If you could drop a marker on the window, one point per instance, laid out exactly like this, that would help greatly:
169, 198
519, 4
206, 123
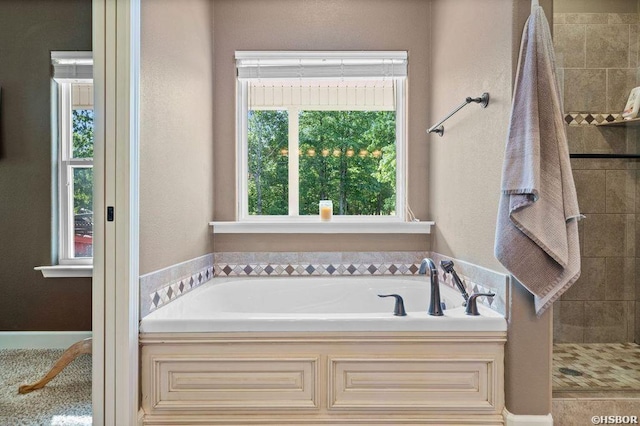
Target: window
74, 142
321, 125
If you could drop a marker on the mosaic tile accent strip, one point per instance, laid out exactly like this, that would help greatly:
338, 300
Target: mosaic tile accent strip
317, 264
596, 367
159, 287
179, 287
230, 270
590, 119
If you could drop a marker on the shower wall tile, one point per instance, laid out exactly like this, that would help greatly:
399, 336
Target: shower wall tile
637, 191
584, 90
568, 322
622, 18
621, 191
569, 45
575, 139
619, 85
632, 146
586, 18
607, 46
605, 235
637, 220
620, 279
631, 323
608, 189
637, 323
634, 44
605, 140
631, 236
560, 80
591, 190
591, 284
601, 164
581, 237
605, 322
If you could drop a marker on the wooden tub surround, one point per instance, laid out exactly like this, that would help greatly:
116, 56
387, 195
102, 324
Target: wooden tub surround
323, 378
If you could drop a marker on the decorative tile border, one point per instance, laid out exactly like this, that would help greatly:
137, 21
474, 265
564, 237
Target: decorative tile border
590, 119
230, 270
165, 285
176, 289
315, 264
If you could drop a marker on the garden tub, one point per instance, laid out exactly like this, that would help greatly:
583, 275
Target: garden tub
315, 304
320, 351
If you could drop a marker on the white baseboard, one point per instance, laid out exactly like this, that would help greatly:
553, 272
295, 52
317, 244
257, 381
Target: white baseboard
526, 420
40, 339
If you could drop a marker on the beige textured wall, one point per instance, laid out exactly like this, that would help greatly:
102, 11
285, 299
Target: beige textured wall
471, 54
176, 132
475, 45
319, 25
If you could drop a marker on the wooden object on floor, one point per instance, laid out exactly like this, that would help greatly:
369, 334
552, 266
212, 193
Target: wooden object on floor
78, 348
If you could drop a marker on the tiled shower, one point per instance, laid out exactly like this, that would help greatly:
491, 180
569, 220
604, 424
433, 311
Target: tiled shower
596, 322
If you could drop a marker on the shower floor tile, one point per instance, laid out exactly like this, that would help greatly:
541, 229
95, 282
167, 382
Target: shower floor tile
588, 367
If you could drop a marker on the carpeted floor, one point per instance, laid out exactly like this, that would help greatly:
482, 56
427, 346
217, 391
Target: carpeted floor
65, 401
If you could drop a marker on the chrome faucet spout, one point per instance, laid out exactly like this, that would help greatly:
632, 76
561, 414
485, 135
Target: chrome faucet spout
435, 305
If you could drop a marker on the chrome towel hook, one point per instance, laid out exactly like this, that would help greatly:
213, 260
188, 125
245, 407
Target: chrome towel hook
483, 100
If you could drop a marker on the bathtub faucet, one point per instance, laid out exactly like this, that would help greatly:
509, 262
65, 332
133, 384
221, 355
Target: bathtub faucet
447, 265
435, 307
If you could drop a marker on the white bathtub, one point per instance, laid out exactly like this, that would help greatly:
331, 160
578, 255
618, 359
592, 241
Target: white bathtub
259, 304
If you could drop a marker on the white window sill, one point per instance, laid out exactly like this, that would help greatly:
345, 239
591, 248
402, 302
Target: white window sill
65, 271
333, 227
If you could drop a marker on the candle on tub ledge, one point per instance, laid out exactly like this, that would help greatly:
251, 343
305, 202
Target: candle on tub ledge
326, 210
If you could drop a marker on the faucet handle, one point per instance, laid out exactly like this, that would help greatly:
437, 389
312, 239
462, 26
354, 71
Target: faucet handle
472, 304
398, 310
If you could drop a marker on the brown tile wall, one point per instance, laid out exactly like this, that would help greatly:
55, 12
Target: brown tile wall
597, 61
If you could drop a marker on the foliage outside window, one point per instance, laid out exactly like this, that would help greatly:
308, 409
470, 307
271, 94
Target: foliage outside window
76, 142
348, 157
306, 139
82, 183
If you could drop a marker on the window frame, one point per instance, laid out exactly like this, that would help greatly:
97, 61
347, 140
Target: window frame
66, 163
242, 155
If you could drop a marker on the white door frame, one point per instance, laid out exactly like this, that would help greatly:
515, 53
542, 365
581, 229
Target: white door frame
116, 41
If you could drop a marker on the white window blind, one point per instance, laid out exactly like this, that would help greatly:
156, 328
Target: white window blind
313, 65
72, 67
82, 96
319, 95
356, 81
